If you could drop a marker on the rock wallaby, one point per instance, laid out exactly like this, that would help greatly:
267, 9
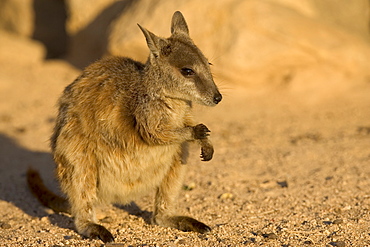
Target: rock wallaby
123, 128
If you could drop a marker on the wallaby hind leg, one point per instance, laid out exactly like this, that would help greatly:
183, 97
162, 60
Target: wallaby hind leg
164, 211
86, 224
82, 195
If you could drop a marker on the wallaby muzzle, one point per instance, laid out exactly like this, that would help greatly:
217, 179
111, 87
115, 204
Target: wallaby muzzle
217, 98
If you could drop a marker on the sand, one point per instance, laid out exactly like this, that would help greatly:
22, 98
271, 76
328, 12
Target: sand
291, 164
287, 170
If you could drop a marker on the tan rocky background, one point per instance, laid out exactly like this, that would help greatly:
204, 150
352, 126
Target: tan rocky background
292, 135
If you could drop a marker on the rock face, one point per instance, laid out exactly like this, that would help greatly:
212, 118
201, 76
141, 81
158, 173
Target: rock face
88, 26
353, 16
17, 16
305, 46
78, 19
273, 44
20, 50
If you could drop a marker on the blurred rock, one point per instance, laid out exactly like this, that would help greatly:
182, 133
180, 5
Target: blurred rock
20, 50
311, 47
42, 20
353, 16
83, 12
88, 27
259, 44
226, 195
17, 16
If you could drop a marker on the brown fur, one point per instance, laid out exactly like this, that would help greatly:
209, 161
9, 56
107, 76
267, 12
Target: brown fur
123, 127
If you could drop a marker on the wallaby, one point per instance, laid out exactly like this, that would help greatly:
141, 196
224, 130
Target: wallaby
123, 129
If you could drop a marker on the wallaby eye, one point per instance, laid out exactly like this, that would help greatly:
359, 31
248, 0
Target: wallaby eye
187, 72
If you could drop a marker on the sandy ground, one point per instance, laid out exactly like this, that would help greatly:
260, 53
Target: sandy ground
287, 171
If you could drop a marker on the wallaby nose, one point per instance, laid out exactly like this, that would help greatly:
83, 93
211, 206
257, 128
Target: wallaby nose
217, 98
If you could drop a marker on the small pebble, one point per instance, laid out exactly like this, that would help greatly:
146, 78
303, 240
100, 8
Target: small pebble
221, 240
180, 241
203, 236
4, 225
338, 221
226, 196
72, 237
49, 211
257, 233
115, 245
249, 241
270, 235
190, 186
44, 219
338, 244
283, 184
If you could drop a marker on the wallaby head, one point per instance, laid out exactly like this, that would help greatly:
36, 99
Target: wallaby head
185, 69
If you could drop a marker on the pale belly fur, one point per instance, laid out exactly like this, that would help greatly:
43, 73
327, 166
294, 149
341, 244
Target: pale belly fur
125, 176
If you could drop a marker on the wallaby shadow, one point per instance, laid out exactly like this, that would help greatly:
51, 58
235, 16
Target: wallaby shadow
135, 210
14, 162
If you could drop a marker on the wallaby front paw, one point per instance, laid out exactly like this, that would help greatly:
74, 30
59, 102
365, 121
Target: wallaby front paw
201, 131
206, 152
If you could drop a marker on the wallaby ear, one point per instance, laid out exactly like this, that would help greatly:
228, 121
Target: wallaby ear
154, 42
178, 24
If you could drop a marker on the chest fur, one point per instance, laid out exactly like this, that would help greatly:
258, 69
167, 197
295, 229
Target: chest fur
126, 175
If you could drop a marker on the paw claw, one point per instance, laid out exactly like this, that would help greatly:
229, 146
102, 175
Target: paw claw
206, 153
201, 131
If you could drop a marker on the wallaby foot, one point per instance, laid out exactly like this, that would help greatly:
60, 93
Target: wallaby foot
96, 231
183, 223
186, 224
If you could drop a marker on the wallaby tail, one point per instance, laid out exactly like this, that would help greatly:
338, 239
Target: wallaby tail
44, 195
